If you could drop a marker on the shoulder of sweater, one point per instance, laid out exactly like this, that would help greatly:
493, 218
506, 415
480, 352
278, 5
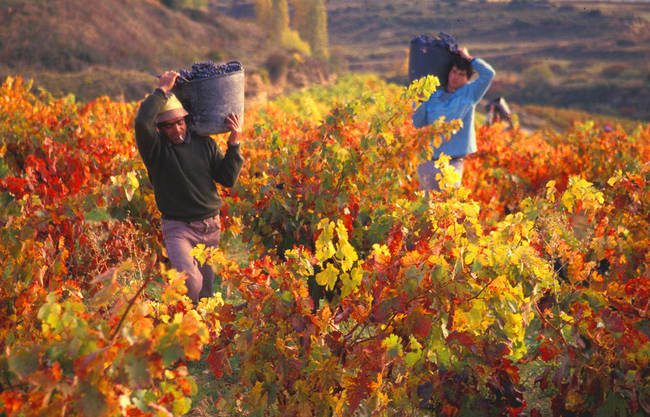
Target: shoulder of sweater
481, 64
158, 95
200, 137
203, 141
477, 61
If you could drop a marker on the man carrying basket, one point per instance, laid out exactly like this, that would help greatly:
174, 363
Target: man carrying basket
183, 168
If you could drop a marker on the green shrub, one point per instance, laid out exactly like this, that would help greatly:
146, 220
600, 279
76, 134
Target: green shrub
186, 4
291, 40
539, 74
277, 66
216, 55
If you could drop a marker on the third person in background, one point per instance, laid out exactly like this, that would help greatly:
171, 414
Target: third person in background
498, 112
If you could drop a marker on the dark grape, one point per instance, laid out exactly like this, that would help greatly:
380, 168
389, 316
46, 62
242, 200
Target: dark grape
443, 39
207, 69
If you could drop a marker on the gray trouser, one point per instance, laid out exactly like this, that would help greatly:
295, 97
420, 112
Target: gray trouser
427, 174
180, 237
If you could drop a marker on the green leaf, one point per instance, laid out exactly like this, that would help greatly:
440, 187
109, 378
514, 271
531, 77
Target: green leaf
137, 370
4, 169
141, 399
23, 362
50, 312
171, 354
182, 406
92, 402
286, 296
411, 358
393, 346
614, 406
97, 215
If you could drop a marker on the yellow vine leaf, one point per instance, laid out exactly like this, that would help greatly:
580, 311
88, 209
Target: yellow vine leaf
550, 191
328, 277
324, 246
346, 255
380, 250
351, 281
471, 253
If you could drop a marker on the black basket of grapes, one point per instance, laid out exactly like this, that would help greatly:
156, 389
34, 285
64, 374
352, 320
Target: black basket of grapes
429, 55
209, 92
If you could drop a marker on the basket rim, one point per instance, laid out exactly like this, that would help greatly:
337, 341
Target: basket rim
209, 78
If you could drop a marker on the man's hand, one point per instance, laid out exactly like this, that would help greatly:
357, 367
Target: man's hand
465, 54
234, 124
167, 80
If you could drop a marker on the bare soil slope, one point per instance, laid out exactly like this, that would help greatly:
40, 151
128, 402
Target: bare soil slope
111, 47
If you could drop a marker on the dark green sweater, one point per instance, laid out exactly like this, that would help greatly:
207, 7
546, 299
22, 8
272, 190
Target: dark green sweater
183, 176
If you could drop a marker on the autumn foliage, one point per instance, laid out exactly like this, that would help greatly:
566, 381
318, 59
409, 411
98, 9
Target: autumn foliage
525, 292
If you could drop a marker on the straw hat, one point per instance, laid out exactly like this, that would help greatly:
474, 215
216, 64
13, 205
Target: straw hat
173, 109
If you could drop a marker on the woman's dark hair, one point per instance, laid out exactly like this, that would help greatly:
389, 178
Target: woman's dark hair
462, 64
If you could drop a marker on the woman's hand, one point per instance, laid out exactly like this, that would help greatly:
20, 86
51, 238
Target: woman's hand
234, 124
465, 54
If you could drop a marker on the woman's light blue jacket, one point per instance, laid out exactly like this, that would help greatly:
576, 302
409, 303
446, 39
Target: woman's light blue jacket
460, 105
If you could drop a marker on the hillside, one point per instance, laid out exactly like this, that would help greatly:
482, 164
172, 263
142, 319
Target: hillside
590, 56
580, 55
96, 47
583, 55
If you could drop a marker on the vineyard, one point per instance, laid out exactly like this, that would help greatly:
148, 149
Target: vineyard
342, 289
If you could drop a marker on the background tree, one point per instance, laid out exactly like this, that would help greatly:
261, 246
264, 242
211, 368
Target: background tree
263, 13
279, 18
273, 16
310, 20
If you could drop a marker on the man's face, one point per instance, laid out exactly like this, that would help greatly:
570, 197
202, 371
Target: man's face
174, 130
457, 78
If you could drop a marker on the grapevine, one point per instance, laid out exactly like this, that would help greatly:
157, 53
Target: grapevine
524, 292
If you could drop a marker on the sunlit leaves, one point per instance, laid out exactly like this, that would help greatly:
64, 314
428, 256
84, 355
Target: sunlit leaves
129, 182
583, 192
328, 277
448, 176
393, 346
324, 245
332, 245
422, 88
539, 263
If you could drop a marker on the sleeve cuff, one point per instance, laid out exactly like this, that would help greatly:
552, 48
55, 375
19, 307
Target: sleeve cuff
161, 92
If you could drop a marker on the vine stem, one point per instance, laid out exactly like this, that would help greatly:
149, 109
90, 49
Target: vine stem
475, 296
561, 337
128, 308
132, 300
